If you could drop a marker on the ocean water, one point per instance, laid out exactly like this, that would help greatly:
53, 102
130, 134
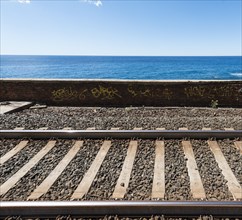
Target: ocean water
122, 67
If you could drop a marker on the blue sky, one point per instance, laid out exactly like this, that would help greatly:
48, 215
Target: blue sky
124, 27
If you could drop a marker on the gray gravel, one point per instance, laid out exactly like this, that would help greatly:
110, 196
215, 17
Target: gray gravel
39, 172
104, 183
176, 174
68, 181
140, 184
233, 157
7, 145
17, 161
213, 181
125, 118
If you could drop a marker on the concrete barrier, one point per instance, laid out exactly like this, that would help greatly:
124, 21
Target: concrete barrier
123, 92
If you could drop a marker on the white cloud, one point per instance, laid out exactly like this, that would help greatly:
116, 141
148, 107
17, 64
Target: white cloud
24, 1
95, 2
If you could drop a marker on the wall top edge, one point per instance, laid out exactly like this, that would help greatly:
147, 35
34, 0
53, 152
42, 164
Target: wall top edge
110, 80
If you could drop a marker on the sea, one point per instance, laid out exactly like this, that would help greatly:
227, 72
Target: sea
123, 67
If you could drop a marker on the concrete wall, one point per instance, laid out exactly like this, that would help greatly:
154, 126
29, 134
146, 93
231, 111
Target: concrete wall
122, 92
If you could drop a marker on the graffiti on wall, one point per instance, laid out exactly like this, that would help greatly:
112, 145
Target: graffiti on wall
64, 94
209, 92
167, 93
105, 92
99, 92
164, 93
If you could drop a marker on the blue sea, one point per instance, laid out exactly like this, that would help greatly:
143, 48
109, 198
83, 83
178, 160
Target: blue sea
122, 67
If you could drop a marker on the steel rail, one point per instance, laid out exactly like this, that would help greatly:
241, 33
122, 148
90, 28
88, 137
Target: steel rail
121, 134
121, 208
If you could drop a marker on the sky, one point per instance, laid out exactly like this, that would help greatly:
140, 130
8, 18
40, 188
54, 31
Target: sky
122, 27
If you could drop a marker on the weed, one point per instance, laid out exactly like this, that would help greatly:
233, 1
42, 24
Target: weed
214, 104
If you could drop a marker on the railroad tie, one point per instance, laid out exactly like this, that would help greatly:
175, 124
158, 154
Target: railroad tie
16, 149
123, 180
89, 176
232, 182
137, 129
237, 144
124, 177
160, 129
43, 128
6, 186
19, 128
52, 177
158, 186
228, 129
183, 129
196, 184
206, 129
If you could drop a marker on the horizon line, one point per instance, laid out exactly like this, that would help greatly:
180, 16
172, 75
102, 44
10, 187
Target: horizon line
121, 55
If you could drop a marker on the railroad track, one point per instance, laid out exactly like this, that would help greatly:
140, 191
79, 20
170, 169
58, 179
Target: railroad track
134, 172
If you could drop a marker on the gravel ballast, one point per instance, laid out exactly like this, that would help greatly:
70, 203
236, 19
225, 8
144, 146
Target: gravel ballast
213, 181
124, 118
233, 157
12, 165
176, 175
68, 181
7, 145
177, 185
39, 172
140, 185
106, 179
